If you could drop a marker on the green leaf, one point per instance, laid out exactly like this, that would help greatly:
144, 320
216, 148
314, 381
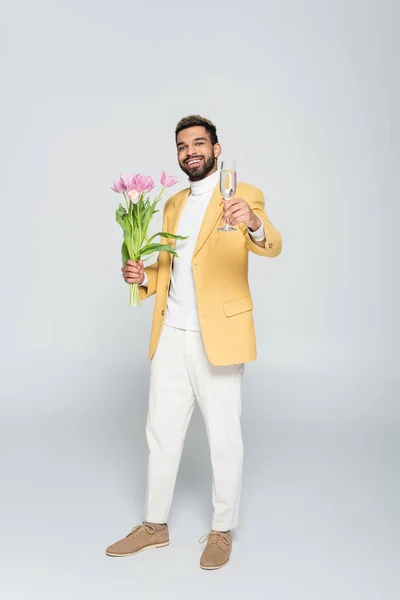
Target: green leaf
146, 217
119, 215
165, 234
169, 249
150, 248
124, 253
128, 244
126, 218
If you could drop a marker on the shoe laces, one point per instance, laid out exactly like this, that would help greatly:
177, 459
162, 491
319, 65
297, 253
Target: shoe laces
223, 540
143, 527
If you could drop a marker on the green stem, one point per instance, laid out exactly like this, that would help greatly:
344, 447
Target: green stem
134, 295
138, 296
139, 220
159, 196
131, 222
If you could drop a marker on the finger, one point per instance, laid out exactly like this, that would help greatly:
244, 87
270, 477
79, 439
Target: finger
230, 202
235, 206
234, 201
131, 271
132, 263
227, 203
238, 217
231, 212
140, 263
136, 279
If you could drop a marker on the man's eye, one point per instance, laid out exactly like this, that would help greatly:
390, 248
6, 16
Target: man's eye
199, 144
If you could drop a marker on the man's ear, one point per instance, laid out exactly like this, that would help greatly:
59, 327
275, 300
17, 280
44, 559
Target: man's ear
217, 150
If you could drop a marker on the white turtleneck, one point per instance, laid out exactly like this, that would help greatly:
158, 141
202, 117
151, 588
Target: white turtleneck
182, 306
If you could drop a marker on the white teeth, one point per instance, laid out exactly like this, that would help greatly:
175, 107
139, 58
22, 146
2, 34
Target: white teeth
193, 162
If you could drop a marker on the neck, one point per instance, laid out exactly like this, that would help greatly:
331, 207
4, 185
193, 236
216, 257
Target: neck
207, 184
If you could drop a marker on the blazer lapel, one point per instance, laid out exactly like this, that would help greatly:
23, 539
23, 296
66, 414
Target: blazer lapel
212, 215
175, 214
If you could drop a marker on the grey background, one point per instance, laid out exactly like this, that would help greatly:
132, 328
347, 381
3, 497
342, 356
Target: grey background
305, 96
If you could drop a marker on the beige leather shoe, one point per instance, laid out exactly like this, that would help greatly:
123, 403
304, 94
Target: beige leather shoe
217, 551
142, 537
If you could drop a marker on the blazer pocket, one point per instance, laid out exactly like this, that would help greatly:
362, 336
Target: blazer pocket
238, 306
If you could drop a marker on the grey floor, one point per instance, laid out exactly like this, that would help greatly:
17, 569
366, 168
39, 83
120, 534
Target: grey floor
319, 512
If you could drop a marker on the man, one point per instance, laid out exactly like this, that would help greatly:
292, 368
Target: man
202, 334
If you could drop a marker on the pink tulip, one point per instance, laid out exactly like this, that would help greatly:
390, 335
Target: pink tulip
145, 183
127, 180
124, 182
134, 192
119, 187
168, 181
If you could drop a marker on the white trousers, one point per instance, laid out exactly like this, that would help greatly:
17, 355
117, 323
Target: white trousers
181, 374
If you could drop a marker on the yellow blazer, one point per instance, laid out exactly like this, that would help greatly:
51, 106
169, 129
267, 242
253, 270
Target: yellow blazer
220, 270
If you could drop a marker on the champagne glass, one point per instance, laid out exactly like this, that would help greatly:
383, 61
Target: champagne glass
227, 185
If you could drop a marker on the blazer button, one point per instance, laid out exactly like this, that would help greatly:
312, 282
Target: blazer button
162, 313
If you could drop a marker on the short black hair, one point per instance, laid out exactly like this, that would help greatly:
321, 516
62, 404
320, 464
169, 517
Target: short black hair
198, 121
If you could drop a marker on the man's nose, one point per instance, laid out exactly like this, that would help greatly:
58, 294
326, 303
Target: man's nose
191, 152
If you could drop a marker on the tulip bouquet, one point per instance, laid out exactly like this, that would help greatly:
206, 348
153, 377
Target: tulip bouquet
135, 218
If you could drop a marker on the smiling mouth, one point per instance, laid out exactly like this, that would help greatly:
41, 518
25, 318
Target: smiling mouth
194, 162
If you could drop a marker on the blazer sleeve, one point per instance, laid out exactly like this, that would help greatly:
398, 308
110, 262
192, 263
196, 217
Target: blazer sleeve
273, 239
152, 273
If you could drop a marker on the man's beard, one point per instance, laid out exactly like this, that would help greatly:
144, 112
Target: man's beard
200, 172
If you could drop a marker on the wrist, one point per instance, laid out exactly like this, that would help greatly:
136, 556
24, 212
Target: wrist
255, 223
